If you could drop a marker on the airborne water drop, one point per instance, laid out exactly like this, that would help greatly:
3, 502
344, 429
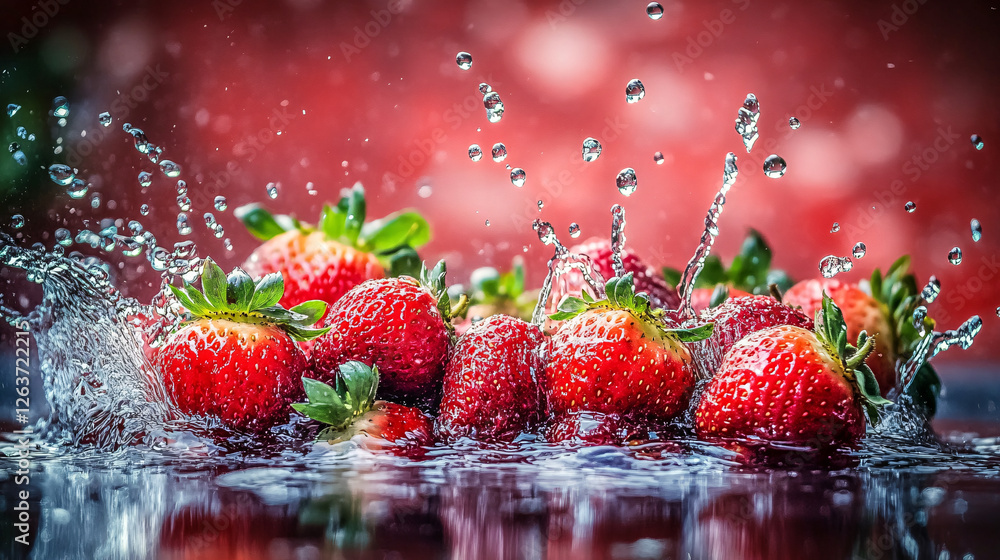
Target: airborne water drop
634, 91
517, 177
626, 181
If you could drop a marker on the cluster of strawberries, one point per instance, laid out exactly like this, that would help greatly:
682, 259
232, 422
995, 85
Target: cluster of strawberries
802, 369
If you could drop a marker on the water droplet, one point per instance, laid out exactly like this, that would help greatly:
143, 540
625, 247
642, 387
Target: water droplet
12, 109
774, 166
210, 222
835, 227
144, 209
127, 127
104, 118
60, 107
910, 206
485, 88
499, 152
17, 221
977, 141
977, 230
272, 190
540, 205
475, 152
746, 121
183, 227
859, 250
955, 255
517, 177
20, 158
78, 189
311, 189
425, 190
931, 290
184, 203
574, 230
64, 237
95, 200
154, 152
22, 132
13, 147
487, 223
464, 60
145, 178
919, 314
794, 123
221, 204
182, 187
169, 168
654, 10
832, 265
658, 158
227, 244
626, 181
494, 106
591, 149
634, 91
61, 174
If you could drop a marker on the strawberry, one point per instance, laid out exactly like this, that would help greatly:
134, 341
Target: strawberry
490, 388
350, 409
749, 273
617, 356
494, 293
646, 278
585, 427
735, 319
401, 325
236, 357
342, 251
786, 384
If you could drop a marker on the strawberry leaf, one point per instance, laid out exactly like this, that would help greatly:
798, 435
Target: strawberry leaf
268, 291
404, 262
693, 334
259, 222
331, 222
302, 334
311, 311
354, 395
240, 288
395, 230
569, 307
361, 383
356, 209
719, 295
189, 304
213, 284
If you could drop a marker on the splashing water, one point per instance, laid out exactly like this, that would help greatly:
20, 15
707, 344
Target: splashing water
685, 288
626, 181
12, 109
494, 106
61, 174
617, 239
832, 265
931, 290
634, 91
17, 221
746, 121
560, 267
937, 342
977, 230
104, 118
60, 107
475, 152
591, 149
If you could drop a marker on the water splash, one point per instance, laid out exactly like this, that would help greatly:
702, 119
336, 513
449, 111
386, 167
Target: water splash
561, 265
746, 121
832, 265
617, 239
937, 342
931, 290
694, 267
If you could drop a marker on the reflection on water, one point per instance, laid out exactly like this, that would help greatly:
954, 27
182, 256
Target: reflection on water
527, 501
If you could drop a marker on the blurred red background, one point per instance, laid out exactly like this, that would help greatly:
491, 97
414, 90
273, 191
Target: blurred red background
244, 93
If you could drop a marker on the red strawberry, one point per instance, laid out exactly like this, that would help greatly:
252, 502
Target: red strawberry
786, 384
236, 359
862, 313
339, 253
706, 298
490, 388
350, 409
617, 356
735, 319
646, 278
401, 325
585, 427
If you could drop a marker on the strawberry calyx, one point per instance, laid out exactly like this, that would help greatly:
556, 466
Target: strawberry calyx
434, 280
749, 271
831, 330
238, 297
392, 239
351, 396
897, 291
620, 294
501, 292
